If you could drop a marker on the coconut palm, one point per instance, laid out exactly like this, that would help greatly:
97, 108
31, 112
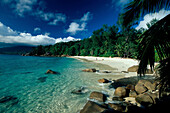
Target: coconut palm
156, 38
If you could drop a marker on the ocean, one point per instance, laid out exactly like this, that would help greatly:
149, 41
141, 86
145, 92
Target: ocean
25, 88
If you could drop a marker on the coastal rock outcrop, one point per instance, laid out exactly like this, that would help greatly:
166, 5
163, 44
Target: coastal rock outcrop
89, 70
98, 96
143, 93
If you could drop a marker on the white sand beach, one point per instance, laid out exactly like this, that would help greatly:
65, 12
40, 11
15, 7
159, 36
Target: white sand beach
121, 64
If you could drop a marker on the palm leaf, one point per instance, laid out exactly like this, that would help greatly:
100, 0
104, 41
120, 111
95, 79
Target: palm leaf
137, 8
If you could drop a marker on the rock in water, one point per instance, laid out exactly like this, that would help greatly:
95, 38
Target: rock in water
89, 70
103, 80
42, 79
92, 107
51, 72
98, 96
80, 90
120, 92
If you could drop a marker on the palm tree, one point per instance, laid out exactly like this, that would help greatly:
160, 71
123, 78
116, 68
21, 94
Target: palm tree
155, 38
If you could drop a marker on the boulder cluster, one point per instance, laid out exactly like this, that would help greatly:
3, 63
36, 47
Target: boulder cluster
129, 98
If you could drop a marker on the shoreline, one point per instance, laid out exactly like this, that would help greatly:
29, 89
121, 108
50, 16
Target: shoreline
117, 65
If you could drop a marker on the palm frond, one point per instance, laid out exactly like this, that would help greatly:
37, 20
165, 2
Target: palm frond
137, 8
157, 37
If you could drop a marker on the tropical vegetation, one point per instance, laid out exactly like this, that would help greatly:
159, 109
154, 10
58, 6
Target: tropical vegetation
106, 41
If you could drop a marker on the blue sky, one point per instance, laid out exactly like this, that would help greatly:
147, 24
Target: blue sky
34, 22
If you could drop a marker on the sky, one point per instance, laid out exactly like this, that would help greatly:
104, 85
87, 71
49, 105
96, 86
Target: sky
46, 22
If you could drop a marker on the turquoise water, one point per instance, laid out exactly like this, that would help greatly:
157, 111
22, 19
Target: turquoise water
19, 79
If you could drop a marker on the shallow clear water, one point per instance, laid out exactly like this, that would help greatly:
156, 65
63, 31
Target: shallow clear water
19, 78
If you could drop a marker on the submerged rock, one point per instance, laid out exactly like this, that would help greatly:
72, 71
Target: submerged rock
5, 99
42, 79
8, 101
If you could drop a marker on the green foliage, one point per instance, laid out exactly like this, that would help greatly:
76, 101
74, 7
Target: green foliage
106, 41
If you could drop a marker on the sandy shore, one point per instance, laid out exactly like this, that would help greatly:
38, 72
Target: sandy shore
117, 64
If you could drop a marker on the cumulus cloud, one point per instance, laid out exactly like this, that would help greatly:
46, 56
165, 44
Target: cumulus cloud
35, 8
148, 17
79, 25
7, 35
75, 27
28, 39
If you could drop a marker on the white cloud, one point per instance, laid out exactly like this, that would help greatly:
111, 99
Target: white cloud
7, 35
37, 30
59, 17
75, 27
68, 39
4, 30
23, 6
28, 39
148, 17
80, 25
86, 17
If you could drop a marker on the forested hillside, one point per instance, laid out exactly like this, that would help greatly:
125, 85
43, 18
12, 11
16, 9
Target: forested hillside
106, 41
